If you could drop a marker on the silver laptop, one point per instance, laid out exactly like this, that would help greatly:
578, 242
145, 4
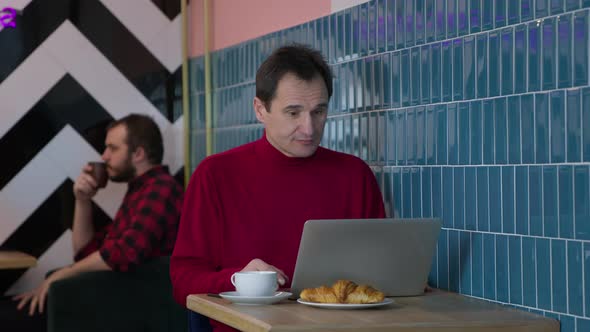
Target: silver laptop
392, 255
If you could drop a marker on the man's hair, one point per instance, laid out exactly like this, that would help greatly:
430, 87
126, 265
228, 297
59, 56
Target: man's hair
306, 63
142, 131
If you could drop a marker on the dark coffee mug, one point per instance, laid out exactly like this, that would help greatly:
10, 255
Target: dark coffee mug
99, 173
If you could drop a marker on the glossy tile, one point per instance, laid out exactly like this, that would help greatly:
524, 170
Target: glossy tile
487, 15
452, 134
515, 269
437, 192
481, 65
441, 134
520, 59
469, 73
447, 71
550, 204
494, 79
574, 279
558, 138
564, 51
430, 148
443, 259
462, 17
513, 114
529, 271
495, 199
397, 191
541, 8
380, 22
475, 119
454, 261
556, 6
420, 135
400, 27
435, 72
499, 13
440, 19
566, 202
582, 202
448, 197
401, 138
410, 32
411, 136
513, 11
459, 198
463, 132
535, 201
558, 275
508, 223
489, 266
580, 55
451, 18
500, 132
416, 185
534, 56
502, 269
415, 87
419, 21
483, 221
405, 78
470, 198
488, 132
585, 124
429, 20
544, 294
507, 51
573, 126
475, 16
526, 10
426, 192
548, 28
425, 74
477, 264
542, 128
406, 210
458, 69
465, 262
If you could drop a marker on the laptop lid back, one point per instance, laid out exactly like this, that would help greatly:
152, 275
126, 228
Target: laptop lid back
392, 255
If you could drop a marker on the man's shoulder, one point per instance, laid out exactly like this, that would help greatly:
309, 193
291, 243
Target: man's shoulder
340, 158
228, 158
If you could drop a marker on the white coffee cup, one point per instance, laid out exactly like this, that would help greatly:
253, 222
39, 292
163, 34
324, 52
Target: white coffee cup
255, 283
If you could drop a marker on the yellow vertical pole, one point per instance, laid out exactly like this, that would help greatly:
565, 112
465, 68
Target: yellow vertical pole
185, 93
208, 104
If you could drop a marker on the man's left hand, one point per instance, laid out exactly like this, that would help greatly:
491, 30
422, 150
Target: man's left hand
37, 296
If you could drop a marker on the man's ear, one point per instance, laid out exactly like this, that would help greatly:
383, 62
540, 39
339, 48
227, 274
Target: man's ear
138, 155
259, 109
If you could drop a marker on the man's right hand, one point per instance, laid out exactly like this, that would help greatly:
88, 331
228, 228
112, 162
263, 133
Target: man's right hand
85, 186
259, 265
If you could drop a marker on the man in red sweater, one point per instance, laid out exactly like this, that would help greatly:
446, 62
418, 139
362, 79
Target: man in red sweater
244, 209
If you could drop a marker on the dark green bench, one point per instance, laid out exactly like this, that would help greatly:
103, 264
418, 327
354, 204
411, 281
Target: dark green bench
139, 300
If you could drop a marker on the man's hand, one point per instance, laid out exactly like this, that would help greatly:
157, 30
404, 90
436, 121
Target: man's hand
38, 296
85, 186
259, 265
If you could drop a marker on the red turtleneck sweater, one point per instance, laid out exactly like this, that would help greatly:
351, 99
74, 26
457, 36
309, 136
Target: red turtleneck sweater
252, 201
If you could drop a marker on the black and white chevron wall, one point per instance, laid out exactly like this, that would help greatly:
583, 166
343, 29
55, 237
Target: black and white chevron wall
67, 68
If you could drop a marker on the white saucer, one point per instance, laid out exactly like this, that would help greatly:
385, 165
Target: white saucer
255, 300
346, 306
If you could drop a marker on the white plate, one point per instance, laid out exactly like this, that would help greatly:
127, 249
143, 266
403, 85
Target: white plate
255, 300
346, 306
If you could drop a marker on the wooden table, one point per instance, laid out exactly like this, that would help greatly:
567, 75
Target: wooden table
16, 260
438, 311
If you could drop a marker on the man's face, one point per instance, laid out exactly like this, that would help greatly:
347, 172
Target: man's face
117, 155
295, 122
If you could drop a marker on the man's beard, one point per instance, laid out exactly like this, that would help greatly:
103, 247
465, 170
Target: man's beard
125, 174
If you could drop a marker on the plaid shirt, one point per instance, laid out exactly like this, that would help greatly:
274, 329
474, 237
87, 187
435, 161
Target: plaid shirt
145, 225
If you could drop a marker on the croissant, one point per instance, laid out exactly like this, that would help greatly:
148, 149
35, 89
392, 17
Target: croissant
343, 291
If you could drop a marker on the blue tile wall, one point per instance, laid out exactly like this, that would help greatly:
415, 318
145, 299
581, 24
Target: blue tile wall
474, 111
